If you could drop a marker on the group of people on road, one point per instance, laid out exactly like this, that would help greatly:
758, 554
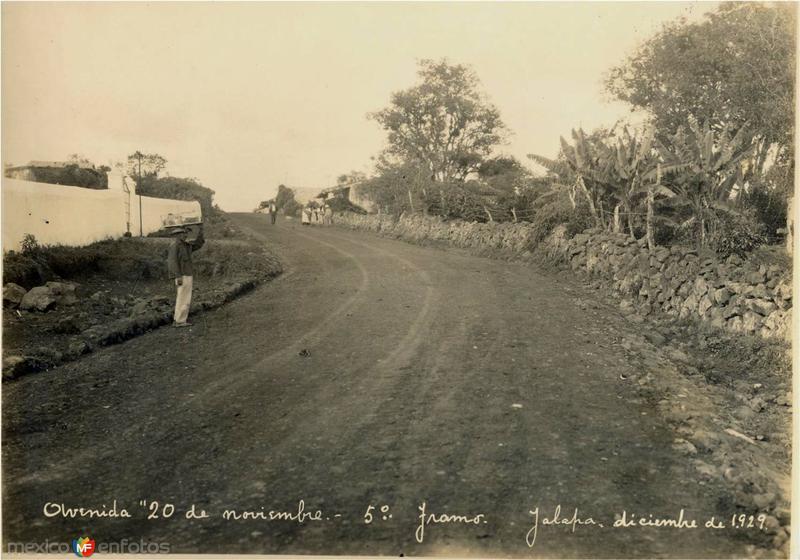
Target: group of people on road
313, 214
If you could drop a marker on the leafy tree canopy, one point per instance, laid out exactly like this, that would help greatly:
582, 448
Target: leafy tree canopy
444, 122
151, 164
351, 178
737, 66
286, 202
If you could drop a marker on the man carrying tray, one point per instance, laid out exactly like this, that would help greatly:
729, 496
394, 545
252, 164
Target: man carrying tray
179, 264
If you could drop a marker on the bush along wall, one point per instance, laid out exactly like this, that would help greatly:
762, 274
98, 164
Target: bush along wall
730, 294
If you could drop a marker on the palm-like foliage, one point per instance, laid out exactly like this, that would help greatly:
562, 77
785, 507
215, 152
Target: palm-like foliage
585, 167
634, 162
613, 173
703, 168
698, 169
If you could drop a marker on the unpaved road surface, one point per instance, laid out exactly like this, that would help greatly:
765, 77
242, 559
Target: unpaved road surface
475, 386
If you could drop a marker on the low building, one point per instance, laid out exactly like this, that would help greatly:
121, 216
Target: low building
353, 193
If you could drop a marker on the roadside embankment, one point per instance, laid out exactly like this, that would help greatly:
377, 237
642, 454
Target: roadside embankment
60, 303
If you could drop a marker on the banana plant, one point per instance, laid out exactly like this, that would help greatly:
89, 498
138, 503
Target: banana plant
633, 160
585, 168
703, 168
639, 169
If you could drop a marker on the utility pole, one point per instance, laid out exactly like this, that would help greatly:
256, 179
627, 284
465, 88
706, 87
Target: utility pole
139, 185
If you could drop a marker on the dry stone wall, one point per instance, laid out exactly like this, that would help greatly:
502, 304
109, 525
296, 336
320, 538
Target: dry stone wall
506, 236
730, 294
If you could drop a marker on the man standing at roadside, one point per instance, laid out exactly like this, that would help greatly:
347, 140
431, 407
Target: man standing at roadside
179, 264
273, 211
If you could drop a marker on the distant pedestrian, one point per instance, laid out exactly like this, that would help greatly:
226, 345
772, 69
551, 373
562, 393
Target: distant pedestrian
305, 216
328, 215
273, 212
179, 264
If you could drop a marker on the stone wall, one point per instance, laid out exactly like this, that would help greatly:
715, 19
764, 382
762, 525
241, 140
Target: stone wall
505, 236
730, 294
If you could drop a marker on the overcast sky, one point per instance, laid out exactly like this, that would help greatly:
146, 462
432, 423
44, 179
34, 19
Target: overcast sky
246, 96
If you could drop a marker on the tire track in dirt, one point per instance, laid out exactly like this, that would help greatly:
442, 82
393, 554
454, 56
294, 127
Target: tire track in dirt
374, 380
302, 415
376, 384
242, 368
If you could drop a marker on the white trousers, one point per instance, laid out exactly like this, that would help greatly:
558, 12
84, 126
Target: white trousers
183, 300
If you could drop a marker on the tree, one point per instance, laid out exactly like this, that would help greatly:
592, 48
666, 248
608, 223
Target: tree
612, 170
79, 161
735, 67
507, 182
351, 178
444, 123
585, 168
397, 187
704, 170
284, 195
636, 174
79, 172
145, 165
286, 202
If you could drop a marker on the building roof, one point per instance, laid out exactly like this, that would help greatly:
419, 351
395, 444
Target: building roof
336, 188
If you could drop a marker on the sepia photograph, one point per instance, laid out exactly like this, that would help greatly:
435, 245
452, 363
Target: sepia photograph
408, 279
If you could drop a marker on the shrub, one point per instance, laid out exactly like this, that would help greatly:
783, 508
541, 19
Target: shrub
25, 270
30, 246
341, 204
179, 189
579, 221
122, 259
462, 201
736, 233
292, 208
556, 209
769, 208
72, 175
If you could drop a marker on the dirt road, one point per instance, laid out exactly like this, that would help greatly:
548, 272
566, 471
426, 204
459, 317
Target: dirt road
371, 373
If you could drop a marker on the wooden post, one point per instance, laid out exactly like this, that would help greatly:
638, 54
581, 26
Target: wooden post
651, 237
790, 225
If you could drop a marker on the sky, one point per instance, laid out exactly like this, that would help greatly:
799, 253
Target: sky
245, 96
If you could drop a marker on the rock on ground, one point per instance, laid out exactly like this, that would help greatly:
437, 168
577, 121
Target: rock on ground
40, 298
13, 294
